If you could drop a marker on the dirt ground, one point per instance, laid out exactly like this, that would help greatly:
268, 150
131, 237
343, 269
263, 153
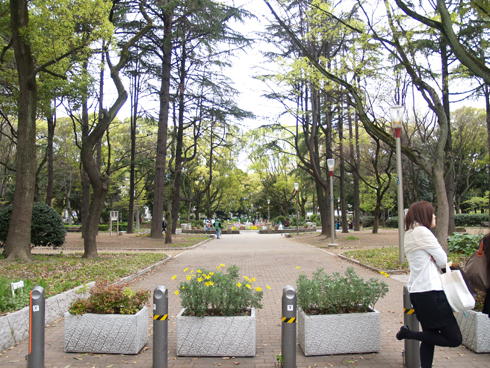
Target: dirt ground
126, 242
131, 242
365, 239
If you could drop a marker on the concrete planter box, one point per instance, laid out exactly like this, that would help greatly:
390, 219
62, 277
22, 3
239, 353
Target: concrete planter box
216, 336
475, 330
106, 333
348, 333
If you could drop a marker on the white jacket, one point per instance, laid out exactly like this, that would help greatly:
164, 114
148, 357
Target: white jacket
424, 273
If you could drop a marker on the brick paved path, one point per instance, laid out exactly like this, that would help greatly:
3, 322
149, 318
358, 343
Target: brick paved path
272, 260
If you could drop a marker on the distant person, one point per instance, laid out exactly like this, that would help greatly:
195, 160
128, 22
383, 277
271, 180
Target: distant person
286, 224
425, 256
217, 226
280, 225
164, 226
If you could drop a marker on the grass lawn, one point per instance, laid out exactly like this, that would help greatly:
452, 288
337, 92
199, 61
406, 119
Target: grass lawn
386, 258
61, 272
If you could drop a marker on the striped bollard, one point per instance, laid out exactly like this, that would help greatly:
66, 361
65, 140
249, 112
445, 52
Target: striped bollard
412, 347
288, 329
160, 327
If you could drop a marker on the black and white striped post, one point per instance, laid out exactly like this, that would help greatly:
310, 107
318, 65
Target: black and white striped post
412, 347
288, 329
37, 311
160, 327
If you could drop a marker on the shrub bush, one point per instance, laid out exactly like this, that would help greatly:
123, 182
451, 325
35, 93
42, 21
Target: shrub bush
316, 219
280, 218
470, 219
111, 299
367, 221
47, 228
103, 227
332, 294
464, 243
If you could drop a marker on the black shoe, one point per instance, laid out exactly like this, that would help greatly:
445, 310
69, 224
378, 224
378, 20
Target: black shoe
403, 331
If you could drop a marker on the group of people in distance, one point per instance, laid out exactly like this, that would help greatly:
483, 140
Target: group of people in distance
426, 257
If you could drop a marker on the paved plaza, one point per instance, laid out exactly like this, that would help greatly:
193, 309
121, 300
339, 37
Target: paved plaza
275, 261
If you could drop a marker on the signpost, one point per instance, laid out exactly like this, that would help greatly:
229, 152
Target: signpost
114, 217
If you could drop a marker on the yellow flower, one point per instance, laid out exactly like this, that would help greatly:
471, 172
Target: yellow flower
248, 285
211, 273
219, 268
211, 283
208, 277
183, 287
192, 271
189, 277
297, 268
246, 278
199, 279
206, 283
258, 289
174, 277
253, 279
185, 269
238, 284
204, 275
222, 265
198, 271
268, 287
177, 292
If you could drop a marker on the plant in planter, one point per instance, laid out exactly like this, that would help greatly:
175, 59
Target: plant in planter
475, 327
336, 313
114, 320
218, 318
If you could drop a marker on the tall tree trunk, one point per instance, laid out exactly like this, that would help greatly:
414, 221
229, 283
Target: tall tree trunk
449, 167
345, 225
84, 175
134, 118
324, 210
487, 108
357, 161
18, 242
160, 162
49, 189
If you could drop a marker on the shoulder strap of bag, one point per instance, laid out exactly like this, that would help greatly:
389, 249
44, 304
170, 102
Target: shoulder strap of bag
480, 253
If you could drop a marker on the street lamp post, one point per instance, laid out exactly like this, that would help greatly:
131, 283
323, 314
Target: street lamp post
296, 187
396, 119
268, 210
331, 165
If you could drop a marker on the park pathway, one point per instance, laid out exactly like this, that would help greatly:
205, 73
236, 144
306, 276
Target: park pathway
275, 261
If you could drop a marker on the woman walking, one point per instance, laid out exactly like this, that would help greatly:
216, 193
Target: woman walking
425, 256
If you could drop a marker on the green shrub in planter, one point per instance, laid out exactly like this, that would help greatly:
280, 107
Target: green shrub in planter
47, 228
334, 294
111, 299
464, 243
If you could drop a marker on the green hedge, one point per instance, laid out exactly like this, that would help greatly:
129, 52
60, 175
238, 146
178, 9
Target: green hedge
470, 219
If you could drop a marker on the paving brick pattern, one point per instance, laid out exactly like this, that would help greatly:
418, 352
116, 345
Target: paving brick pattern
272, 260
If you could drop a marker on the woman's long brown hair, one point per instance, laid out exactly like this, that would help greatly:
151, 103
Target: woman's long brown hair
420, 212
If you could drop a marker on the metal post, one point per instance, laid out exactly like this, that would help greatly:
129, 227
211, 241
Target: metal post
160, 327
35, 358
297, 215
401, 251
332, 215
288, 329
412, 347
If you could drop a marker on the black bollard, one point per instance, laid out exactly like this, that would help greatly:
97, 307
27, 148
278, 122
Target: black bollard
37, 311
160, 327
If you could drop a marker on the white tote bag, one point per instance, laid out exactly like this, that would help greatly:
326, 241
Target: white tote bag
457, 293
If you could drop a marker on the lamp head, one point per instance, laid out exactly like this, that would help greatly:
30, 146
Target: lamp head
296, 186
330, 164
268, 201
396, 113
